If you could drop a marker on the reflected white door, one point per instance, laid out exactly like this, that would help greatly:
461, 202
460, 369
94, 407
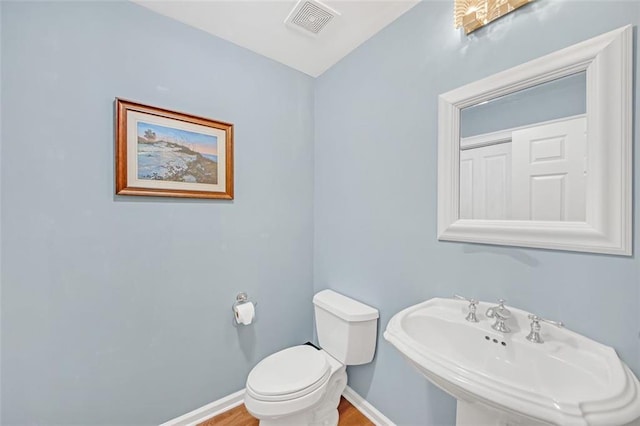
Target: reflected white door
549, 164
485, 182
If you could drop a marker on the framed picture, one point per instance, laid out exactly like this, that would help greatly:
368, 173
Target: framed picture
164, 153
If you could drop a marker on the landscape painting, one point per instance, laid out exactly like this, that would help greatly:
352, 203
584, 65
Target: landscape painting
176, 155
164, 153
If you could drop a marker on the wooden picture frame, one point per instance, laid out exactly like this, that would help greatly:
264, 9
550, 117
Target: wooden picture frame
164, 153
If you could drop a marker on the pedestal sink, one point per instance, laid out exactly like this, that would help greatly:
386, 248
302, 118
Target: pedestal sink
504, 379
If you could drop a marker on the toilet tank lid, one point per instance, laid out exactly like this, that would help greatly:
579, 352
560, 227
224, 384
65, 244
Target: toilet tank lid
344, 307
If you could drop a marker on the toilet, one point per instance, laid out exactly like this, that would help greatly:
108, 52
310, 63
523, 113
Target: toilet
301, 385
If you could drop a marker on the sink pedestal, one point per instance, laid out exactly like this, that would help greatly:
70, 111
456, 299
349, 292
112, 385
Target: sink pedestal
476, 414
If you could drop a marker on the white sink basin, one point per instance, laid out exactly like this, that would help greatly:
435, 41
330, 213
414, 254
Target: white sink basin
567, 380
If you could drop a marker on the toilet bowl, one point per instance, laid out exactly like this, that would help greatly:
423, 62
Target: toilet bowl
301, 385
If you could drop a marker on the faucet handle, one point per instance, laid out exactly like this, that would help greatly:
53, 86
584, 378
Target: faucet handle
537, 319
534, 335
473, 303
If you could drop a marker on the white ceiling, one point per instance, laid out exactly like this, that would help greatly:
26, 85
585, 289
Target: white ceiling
258, 25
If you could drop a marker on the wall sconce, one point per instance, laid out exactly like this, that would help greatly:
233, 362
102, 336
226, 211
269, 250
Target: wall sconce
473, 14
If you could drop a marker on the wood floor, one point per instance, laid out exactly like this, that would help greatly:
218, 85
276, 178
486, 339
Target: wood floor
349, 416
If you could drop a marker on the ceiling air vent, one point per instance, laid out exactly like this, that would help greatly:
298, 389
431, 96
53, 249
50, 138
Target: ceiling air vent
311, 16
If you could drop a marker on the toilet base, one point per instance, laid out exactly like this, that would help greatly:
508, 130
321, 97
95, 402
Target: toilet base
323, 413
302, 419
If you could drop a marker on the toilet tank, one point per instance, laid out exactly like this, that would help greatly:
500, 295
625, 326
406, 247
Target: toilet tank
347, 329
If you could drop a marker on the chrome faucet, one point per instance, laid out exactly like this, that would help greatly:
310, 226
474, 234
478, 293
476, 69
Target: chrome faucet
473, 304
534, 335
501, 314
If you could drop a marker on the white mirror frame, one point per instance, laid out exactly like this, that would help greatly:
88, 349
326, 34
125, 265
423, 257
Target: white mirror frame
607, 60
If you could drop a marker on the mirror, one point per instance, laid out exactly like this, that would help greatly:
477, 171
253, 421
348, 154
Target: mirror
523, 155
540, 155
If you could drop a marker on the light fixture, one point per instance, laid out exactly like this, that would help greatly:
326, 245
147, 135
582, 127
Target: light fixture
473, 14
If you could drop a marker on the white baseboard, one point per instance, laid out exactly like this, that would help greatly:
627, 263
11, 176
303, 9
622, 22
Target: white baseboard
366, 408
228, 402
208, 411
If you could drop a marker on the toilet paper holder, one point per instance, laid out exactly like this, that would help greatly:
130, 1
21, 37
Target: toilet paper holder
242, 298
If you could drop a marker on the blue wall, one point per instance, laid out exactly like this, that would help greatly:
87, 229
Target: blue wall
375, 193
117, 310
556, 99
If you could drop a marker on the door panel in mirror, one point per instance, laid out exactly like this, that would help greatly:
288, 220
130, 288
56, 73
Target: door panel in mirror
511, 179
551, 177
485, 179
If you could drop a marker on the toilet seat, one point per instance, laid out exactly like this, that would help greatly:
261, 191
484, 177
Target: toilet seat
288, 374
